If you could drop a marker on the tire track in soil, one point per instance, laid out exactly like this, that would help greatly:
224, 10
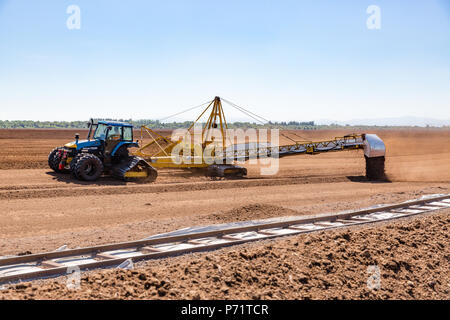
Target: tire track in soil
70, 191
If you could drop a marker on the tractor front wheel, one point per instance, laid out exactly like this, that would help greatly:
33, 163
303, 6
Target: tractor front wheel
54, 159
88, 168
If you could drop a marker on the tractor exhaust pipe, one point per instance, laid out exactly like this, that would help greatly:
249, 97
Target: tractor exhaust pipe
374, 153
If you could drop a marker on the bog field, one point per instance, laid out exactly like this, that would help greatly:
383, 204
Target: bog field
41, 211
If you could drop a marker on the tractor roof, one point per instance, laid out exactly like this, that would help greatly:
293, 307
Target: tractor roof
115, 123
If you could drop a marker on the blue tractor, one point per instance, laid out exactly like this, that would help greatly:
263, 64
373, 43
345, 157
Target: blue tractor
105, 151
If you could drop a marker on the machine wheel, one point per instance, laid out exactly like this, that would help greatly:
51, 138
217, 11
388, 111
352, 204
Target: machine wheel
89, 168
54, 159
212, 172
134, 165
73, 164
121, 154
152, 175
225, 171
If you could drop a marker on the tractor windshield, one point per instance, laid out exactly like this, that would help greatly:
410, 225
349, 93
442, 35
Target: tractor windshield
100, 132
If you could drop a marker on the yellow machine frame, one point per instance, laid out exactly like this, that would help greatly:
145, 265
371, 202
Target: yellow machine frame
163, 158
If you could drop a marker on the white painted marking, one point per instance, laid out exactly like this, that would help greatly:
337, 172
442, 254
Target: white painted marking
207, 241
122, 253
443, 204
130, 254
14, 270
408, 210
173, 247
308, 226
247, 235
422, 207
75, 261
329, 224
365, 217
385, 215
280, 231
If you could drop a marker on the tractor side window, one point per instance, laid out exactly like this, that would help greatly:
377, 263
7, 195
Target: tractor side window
127, 133
100, 132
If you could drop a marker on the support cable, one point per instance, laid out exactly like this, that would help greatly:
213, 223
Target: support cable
184, 111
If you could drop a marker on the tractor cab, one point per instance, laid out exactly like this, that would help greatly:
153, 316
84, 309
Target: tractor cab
111, 136
104, 136
112, 130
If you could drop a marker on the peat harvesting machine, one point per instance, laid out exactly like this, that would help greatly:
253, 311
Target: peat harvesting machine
216, 154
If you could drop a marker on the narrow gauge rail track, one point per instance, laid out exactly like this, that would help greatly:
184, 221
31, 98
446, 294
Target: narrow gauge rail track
34, 266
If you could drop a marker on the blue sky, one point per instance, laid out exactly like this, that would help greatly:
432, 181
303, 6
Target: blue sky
285, 60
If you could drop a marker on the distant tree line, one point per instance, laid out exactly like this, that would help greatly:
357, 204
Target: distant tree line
153, 124
28, 124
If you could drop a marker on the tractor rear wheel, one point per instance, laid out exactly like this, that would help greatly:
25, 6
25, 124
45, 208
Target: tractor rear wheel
54, 159
73, 163
89, 168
